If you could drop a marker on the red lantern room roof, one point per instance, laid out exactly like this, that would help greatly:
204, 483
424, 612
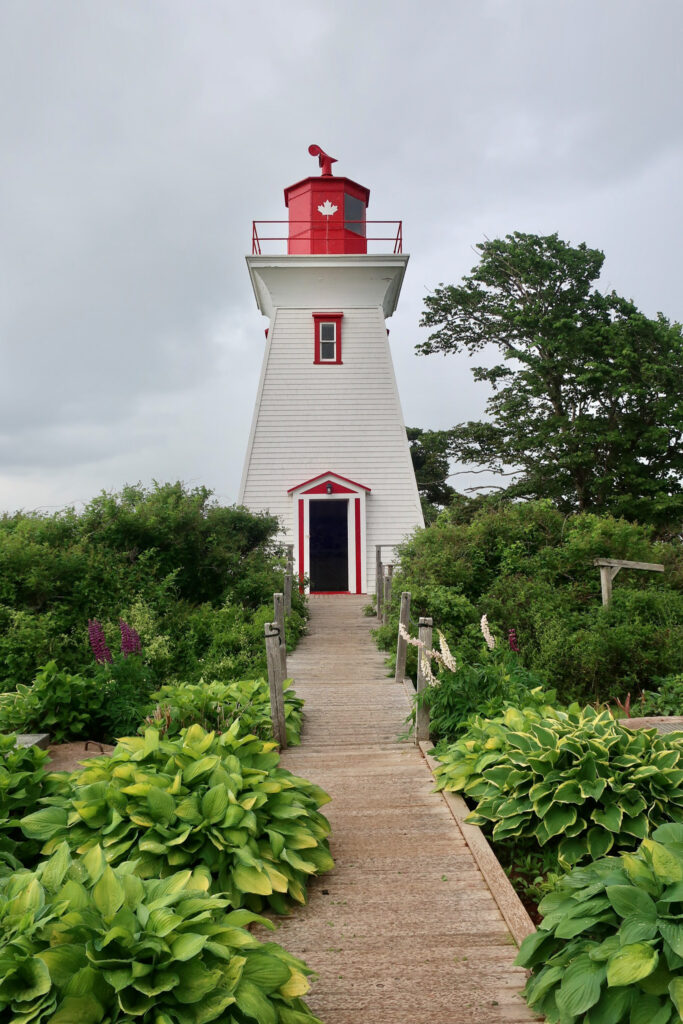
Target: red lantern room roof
326, 212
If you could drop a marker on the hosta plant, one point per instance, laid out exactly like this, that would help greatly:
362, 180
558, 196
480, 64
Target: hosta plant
610, 946
216, 705
574, 779
197, 799
22, 776
82, 942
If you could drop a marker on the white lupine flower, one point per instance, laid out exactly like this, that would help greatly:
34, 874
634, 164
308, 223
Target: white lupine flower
403, 632
488, 637
427, 668
446, 658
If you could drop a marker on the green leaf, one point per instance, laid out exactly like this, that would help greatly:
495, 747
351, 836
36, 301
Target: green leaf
568, 793
531, 951
54, 870
188, 945
628, 900
200, 767
215, 803
666, 866
580, 987
613, 1006
266, 971
249, 879
63, 961
610, 817
673, 933
558, 819
252, 1002
636, 928
108, 894
631, 963
572, 926
571, 851
676, 993
671, 832
648, 1009
600, 842
44, 824
161, 804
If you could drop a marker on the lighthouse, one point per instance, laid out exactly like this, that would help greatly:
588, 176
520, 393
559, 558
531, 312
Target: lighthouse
327, 452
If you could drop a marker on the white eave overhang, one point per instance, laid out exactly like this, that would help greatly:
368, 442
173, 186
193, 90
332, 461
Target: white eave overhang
353, 280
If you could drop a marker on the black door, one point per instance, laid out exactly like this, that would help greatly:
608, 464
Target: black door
329, 545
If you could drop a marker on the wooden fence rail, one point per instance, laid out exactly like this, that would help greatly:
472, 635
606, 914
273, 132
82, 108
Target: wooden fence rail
425, 627
276, 677
402, 643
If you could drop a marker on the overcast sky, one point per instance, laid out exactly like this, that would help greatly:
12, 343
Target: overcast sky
139, 139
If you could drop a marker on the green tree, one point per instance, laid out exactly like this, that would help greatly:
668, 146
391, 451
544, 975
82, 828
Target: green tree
429, 452
587, 405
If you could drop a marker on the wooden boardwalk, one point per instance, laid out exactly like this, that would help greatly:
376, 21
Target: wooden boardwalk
405, 930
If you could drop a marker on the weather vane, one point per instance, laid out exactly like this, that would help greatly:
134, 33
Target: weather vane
324, 160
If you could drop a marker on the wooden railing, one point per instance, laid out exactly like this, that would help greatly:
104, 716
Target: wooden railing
424, 636
276, 651
383, 577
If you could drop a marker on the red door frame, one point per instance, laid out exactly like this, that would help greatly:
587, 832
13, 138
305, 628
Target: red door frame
337, 486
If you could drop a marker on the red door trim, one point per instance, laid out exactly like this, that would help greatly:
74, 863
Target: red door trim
358, 560
301, 545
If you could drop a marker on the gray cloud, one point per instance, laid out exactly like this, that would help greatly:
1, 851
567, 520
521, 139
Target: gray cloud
139, 141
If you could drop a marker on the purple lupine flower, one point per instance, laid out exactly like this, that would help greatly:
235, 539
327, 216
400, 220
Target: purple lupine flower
98, 642
512, 640
130, 639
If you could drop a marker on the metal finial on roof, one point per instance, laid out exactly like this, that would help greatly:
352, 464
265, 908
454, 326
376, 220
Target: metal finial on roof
324, 160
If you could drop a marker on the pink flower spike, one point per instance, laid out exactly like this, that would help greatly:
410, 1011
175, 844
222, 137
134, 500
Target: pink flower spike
130, 640
98, 642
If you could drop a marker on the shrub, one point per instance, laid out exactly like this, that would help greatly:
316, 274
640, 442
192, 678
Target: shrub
610, 947
220, 801
122, 688
215, 706
151, 556
103, 705
80, 941
22, 775
486, 689
57, 702
573, 779
667, 699
530, 568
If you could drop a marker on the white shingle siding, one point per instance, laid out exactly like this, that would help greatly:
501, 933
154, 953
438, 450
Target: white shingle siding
347, 418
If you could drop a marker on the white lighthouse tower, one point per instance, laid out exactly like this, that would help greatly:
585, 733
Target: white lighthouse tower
328, 452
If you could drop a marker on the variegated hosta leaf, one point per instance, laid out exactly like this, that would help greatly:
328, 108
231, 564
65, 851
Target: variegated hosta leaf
577, 781
199, 798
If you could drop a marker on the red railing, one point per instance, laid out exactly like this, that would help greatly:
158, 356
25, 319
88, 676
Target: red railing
315, 237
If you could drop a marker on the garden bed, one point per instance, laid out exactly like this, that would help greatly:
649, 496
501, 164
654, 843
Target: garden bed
67, 757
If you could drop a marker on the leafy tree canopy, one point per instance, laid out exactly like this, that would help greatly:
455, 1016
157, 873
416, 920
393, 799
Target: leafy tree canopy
587, 404
429, 450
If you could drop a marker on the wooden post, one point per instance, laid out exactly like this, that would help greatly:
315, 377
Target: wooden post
379, 579
422, 711
279, 617
275, 679
609, 567
401, 644
386, 604
289, 577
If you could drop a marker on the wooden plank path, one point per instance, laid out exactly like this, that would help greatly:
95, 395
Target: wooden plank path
405, 930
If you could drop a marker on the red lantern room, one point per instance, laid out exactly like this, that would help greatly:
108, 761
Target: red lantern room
326, 214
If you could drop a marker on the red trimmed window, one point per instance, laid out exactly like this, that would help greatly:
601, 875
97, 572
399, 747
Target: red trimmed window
328, 338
